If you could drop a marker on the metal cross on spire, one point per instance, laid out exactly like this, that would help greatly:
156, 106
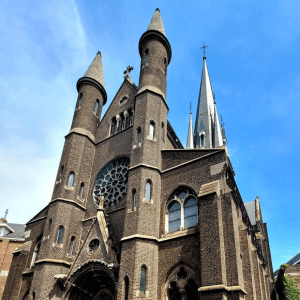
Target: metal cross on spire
190, 107
204, 49
6, 212
127, 71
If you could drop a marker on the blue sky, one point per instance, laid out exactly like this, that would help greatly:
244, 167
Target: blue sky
253, 62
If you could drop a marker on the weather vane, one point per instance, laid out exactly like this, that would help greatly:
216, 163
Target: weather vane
204, 49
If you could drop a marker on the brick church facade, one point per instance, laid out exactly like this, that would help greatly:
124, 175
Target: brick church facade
133, 214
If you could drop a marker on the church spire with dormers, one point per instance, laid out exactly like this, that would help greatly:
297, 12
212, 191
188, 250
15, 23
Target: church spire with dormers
207, 132
190, 140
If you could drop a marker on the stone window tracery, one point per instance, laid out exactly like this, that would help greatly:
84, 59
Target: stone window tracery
182, 211
181, 284
111, 182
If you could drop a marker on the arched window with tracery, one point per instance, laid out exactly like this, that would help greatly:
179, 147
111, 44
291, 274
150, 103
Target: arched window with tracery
60, 234
182, 210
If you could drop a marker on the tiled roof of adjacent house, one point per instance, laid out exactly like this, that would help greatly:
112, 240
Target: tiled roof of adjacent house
18, 233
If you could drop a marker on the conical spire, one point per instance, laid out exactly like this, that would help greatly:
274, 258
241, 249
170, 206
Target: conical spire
95, 70
190, 140
156, 23
218, 141
205, 110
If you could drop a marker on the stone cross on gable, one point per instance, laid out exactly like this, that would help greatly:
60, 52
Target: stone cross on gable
127, 71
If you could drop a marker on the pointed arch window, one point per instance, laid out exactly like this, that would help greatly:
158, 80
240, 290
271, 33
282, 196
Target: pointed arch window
162, 131
202, 140
174, 216
81, 190
151, 131
182, 210
71, 179
148, 191
71, 246
143, 279
60, 234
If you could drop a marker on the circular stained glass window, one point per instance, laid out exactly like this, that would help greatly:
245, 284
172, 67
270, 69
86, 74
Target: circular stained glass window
112, 182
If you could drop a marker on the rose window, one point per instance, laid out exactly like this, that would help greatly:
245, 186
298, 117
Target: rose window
112, 182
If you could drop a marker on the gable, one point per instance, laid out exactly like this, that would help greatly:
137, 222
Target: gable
117, 107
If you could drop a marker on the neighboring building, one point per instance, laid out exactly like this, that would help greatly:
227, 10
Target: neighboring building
295, 260
11, 237
133, 214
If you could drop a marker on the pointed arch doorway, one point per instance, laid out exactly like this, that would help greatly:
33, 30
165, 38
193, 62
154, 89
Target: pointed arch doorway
92, 281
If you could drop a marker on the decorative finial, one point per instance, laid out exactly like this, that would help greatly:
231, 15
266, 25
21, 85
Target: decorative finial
214, 97
157, 9
190, 107
6, 212
127, 71
99, 53
221, 119
204, 49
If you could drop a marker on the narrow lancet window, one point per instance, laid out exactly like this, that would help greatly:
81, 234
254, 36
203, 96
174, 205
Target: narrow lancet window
36, 253
50, 224
143, 279
133, 199
71, 180
126, 281
139, 136
190, 213
146, 56
71, 247
60, 235
148, 191
81, 190
96, 106
174, 217
151, 131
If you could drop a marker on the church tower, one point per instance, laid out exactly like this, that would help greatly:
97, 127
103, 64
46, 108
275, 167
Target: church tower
67, 206
140, 251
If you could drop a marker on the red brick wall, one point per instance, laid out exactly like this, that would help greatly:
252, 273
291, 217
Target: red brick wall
7, 247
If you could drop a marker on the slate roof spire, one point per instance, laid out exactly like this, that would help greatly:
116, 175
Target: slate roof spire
207, 122
190, 139
95, 70
156, 23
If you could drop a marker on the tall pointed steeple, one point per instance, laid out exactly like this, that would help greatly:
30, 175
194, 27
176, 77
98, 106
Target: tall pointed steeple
207, 131
95, 70
190, 139
156, 23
